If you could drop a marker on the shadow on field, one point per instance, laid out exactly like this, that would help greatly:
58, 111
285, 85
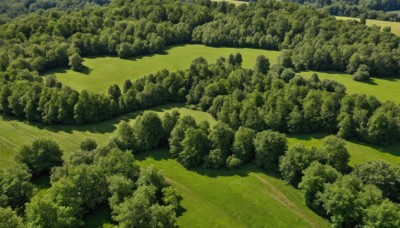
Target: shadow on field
107, 126
243, 171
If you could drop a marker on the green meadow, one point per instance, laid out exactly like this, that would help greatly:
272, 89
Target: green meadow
394, 25
237, 198
105, 71
382, 88
233, 198
101, 72
15, 133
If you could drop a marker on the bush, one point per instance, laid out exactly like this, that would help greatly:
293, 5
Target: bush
362, 73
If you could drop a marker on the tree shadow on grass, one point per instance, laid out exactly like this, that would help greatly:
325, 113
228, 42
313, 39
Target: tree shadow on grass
163, 154
84, 70
106, 126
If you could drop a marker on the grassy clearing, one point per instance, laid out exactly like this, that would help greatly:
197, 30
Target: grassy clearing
232, 1
394, 25
105, 71
15, 133
239, 198
360, 152
382, 88
227, 198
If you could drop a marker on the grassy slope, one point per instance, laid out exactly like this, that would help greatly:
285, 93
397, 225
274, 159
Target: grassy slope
105, 71
239, 198
14, 133
360, 152
231, 1
382, 88
394, 25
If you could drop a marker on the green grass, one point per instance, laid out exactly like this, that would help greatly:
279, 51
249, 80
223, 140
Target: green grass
394, 25
360, 152
239, 198
247, 197
105, 71
15, 133
232, 1
382, 88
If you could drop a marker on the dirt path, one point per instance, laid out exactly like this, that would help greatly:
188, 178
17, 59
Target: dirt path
281, 198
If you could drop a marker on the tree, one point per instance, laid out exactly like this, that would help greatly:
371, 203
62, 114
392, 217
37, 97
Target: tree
127, 85
238, 59
41, 155
75, 62
262, 64
15, 186
362, 73
386, 214
169, 121
134, 211
120, 188
178, 134
243, 147
269, 147
115, 92
125, 50
10, 219
148, 130
221, 137
151, 176
194, 146
295, 160
88, 144
44, 212
345, 200
335, 153
315, 177
382, 175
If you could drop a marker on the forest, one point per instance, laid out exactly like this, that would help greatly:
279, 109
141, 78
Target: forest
254, 108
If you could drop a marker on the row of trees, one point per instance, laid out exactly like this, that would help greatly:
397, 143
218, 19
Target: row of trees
51, 39
89, 177
260, 99
366, 196
371, 9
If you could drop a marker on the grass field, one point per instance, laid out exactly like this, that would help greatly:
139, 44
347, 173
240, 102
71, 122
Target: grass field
105, 71
239, 198
15, 133
382, 88
360, 152
394, 25
231, 1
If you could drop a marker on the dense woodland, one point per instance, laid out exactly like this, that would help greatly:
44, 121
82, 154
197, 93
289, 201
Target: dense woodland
372, 9
253, 109
261, 98
91, 176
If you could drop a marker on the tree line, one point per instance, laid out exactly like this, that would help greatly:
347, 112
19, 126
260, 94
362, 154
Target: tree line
370, 9
367, 195
261, 98
89, 177
46, 40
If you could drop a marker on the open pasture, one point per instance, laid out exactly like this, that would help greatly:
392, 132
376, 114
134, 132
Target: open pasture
101, 72
394, 25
